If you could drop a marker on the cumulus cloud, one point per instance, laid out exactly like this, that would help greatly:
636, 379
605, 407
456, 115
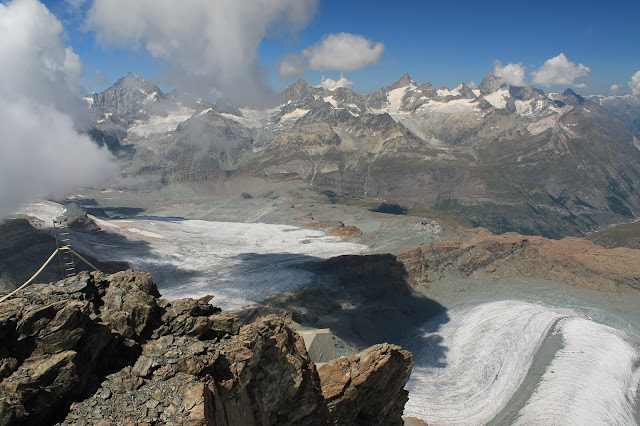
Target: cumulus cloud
614, 88
336, 52
634, 84
207, 45
330, 84
511, 74
560, 71
41, 150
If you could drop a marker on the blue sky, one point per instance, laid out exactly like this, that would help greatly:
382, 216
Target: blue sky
441, 42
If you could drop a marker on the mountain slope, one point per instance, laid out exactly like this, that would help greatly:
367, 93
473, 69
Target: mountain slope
508, 158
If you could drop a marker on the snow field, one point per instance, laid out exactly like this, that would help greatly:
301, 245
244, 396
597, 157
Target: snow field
489, 348
593, 380
239, 263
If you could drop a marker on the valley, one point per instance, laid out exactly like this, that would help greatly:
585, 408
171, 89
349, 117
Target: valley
382, 217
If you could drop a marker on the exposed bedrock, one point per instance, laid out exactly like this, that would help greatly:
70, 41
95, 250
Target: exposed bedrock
367, 388
573, 261
98, 349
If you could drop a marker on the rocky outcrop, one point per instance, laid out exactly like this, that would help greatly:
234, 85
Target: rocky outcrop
58, 341
97, 349
574, 261
366, 389
335, 228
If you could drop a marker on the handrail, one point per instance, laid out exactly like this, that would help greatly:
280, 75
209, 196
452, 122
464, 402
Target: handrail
42, 268
30, 279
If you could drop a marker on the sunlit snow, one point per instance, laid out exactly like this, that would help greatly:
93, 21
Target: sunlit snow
158, 124
498, 98
239, 263
466, 372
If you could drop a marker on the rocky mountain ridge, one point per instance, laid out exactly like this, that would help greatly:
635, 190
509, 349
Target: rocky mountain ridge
507, 158
98, 349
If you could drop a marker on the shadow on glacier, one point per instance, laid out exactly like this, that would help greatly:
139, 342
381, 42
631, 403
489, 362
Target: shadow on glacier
250, 263
138, 254
366, 299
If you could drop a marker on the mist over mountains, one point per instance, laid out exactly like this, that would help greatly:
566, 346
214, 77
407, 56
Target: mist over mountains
505, 157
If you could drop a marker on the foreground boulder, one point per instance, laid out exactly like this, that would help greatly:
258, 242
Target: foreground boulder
57, 341
367, 388
97, 349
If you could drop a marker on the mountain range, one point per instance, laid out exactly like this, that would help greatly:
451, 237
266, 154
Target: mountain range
504, 157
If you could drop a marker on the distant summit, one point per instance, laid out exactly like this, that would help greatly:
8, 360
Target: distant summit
127, 96
404, 81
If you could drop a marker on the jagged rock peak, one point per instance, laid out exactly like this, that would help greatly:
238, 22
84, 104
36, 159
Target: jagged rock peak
572, 98
132, 82
297, 91
465, 91
490, 84
404, 81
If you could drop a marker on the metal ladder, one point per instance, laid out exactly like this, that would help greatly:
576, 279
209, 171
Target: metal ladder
63, 242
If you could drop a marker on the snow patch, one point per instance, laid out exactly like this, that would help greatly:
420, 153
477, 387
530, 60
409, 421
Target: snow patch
46, 211
394, 97
446, 92
524, 108
331, 100
498, 98
294, 115
158, 124
453, 106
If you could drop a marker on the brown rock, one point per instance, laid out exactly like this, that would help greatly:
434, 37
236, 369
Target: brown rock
367, 388
574, 261
266, 377
59, 340
98, 349
335, 228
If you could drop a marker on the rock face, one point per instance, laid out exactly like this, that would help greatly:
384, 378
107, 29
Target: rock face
58, 341
573, 261
365, 389
97, 349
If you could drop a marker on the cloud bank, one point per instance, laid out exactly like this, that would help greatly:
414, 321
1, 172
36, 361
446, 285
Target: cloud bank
336, 52
560, 71
330, 84
206, 45
634, 84
41, 150
511, 74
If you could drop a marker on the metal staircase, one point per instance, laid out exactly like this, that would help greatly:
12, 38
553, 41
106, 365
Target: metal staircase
63, 242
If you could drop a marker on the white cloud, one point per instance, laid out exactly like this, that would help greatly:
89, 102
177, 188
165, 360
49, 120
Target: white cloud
41, 152
330, 84
614, 88
206, 44
560, 71
511, 74
634, 84
336, 52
